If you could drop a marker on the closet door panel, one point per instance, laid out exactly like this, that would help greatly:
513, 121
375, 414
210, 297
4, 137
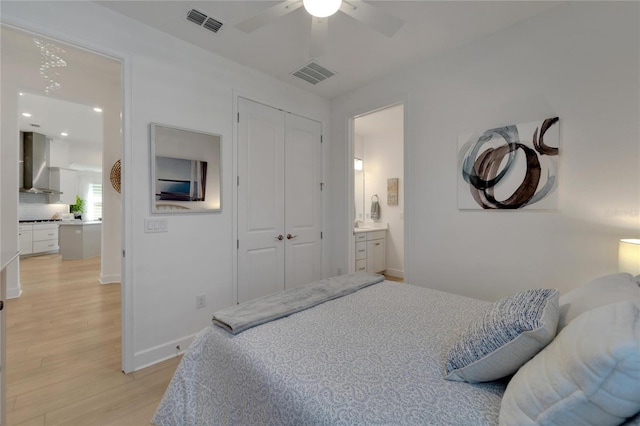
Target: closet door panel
263, 275
301, 266
303, 200
260, 201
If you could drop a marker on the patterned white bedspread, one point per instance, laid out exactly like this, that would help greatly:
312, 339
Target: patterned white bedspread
374, 357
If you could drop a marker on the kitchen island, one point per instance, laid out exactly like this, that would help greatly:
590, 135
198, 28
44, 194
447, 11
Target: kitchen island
80, 240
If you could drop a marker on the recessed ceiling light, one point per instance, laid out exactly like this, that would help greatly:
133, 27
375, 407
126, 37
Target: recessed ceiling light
21, 94
64, 134
26, 114
97, 109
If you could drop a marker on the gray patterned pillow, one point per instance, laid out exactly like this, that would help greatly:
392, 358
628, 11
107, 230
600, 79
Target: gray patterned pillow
508, 335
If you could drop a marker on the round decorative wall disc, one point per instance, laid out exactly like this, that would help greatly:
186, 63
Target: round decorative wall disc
115, 176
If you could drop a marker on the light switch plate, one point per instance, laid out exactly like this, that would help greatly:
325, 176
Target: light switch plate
155, 225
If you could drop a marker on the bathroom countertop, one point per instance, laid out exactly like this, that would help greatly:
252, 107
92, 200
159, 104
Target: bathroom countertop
369, 227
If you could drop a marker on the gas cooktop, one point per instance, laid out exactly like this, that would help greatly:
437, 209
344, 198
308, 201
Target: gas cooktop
40, 221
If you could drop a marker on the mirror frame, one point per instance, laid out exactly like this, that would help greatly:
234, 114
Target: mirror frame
185, 154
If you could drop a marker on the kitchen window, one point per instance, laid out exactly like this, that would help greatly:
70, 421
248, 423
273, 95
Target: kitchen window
94, 202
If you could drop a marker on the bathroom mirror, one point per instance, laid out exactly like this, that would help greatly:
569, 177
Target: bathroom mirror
185, 171
358, 179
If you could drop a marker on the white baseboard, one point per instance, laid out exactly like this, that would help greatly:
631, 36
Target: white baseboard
160, 353
398, 273
14, 293
109, 279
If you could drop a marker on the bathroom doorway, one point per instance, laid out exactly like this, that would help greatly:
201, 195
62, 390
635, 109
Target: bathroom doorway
378, 190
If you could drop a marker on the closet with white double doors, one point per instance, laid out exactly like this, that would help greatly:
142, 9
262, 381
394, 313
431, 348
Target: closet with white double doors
279, 200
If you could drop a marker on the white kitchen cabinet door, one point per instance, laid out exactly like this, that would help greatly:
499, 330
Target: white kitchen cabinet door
24, 239
45, 238
63, 180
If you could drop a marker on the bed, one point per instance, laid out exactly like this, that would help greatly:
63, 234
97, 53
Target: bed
374, 356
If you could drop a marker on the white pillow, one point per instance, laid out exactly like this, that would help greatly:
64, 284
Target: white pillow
588, 375
599, 292
510, 333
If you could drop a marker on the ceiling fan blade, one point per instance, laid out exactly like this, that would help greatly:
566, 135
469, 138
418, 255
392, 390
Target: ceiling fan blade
266, 16
381, 21
319, 36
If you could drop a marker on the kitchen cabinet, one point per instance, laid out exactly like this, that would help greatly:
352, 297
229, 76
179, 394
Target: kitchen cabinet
80, 240
370, 251
63, 180
25, 233
44, 237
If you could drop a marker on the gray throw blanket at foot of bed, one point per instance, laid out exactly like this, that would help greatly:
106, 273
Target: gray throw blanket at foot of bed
239, 318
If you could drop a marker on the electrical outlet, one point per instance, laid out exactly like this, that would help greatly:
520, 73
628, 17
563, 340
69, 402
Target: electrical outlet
201, 301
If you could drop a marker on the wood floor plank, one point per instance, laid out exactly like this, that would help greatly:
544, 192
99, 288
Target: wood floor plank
34, 421
122, 398
64, 351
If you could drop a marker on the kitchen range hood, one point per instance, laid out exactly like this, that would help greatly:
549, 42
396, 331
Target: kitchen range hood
35, 171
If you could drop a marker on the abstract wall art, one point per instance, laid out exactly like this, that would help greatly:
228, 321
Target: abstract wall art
510, 167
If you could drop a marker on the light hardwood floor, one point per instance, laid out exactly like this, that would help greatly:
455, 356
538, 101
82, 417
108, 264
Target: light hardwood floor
391, 278
63, 351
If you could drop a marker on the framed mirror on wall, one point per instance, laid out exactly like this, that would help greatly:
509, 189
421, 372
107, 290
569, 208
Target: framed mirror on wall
185, 171
358, 190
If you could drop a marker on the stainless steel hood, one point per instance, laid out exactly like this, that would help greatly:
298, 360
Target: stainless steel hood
36, 170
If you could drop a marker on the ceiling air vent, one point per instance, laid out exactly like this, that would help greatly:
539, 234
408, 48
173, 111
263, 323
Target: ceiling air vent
203, 20
196, 17
313, 73
212, 25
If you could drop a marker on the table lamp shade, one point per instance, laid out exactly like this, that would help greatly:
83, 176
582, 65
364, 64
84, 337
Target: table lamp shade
629, 256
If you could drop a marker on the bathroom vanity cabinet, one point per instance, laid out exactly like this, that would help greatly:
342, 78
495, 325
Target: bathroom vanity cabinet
370, 250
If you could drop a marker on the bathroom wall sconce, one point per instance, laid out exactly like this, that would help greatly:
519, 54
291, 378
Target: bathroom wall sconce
358, 164
629, 256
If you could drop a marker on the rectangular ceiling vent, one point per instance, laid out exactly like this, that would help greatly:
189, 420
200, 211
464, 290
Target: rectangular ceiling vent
204, 21
313, 73
212, 25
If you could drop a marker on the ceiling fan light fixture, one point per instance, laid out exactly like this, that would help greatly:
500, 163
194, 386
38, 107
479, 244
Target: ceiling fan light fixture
322, 8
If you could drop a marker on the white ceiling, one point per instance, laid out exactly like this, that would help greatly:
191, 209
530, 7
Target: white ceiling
53, 116
385, 121
69, 108
358, 54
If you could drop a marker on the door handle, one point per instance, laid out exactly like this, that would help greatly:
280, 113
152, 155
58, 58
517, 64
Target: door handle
280, 237
291, 237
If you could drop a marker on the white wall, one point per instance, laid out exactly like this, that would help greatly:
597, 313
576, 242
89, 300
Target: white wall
579, 61
171, 82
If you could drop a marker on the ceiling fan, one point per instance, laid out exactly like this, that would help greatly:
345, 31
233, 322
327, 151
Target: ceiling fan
320, 10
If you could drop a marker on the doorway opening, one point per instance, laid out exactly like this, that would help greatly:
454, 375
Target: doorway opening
68, 90
378, 192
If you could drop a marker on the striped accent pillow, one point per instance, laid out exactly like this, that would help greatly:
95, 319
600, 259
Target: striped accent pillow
510, 333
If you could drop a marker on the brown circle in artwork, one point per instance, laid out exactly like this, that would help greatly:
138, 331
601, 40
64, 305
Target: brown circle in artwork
115, 176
